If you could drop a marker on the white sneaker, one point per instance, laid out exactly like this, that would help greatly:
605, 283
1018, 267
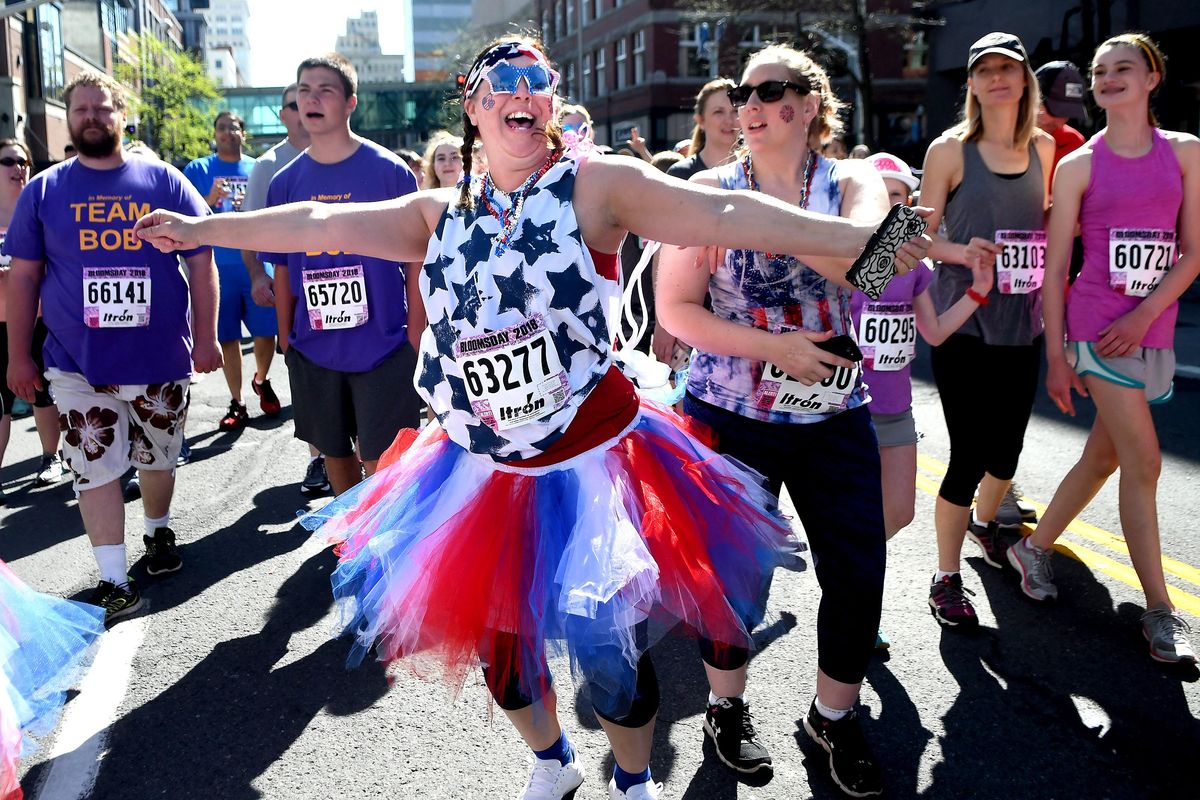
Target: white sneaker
552, 780
641, 791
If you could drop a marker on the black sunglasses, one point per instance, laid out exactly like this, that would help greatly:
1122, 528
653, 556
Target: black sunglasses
768, 92
7, 161
292, 106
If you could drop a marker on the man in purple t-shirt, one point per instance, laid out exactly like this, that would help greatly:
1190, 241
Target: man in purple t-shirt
349, 361
119, 352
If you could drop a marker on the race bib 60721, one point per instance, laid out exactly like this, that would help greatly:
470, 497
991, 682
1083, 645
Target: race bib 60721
1138, 259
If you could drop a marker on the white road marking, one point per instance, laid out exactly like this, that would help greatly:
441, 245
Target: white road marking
83, 734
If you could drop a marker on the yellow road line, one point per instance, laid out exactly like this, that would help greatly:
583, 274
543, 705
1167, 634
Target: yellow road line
1182, 571
1097, 561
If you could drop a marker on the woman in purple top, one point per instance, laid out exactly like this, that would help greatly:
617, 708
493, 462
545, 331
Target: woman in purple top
1134, 191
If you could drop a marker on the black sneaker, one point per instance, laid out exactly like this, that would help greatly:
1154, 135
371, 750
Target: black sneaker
990, 541
235, 418
161, 555
851, 763
316, 480
949, 604
117, 601
729, 725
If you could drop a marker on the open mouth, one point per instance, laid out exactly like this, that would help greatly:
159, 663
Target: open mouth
315, 115
756, 126
519, 120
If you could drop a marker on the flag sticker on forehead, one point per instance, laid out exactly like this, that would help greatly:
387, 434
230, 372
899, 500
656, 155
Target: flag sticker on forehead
485, 69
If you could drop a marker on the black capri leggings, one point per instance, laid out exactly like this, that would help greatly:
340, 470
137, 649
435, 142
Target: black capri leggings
987, 393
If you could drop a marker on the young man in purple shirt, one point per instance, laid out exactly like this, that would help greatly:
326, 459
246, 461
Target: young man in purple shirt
119, 352
349, 361
223, 178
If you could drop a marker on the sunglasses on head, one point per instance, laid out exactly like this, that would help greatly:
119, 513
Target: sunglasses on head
768, 92
292, 106
505, 77
8, 161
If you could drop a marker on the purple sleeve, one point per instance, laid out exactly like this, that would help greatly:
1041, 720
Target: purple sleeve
25, 237
408, 183
924, 278
188, 201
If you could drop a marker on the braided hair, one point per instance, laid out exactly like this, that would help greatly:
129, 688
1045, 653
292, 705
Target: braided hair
552, 130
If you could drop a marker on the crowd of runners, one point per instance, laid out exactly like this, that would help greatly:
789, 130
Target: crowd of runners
502, 488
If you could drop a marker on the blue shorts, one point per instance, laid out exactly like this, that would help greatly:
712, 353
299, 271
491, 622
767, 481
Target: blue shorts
1151, 369
237, 306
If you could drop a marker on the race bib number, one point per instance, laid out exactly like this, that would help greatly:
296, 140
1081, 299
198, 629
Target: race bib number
785, 393
237, 192
336, 298
1138, 259
513, 375
887, 336
1021, 265
116, 297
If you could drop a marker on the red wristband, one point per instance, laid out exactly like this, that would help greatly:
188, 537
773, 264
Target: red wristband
982, 299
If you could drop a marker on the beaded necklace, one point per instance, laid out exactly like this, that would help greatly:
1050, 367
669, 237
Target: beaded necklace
510, 216
809, 164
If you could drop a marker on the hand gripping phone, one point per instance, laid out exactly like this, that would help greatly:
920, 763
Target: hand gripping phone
876, 265
843, 346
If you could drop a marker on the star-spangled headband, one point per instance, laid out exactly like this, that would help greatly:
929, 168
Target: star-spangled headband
505, 51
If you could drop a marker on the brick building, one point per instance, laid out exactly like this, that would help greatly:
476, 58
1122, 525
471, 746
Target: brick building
43, 48
641, 62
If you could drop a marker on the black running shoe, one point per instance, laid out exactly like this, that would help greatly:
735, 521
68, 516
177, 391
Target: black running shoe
316, 480
235, 418
851, 763
990, 541
117, 601
728, 724
161, 554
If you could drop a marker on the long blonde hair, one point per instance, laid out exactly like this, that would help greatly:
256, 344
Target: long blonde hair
429, 177
807, 72
970, 127
718, 85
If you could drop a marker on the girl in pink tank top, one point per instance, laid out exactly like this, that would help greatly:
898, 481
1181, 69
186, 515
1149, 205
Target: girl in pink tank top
1134, 190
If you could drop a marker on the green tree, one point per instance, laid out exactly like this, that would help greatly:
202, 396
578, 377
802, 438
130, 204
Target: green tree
175, 100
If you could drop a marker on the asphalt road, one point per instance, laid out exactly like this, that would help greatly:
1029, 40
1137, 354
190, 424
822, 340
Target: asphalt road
229, 686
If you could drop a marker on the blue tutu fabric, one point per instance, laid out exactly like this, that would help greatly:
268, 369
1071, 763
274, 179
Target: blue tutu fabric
45, 642
450, 561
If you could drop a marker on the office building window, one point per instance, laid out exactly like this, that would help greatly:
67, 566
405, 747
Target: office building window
50, 43
570, 16
639, 57
546, 26
585, 91
601, 82
621, 65
569, 89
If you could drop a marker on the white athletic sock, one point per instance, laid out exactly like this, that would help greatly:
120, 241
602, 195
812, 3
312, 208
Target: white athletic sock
712, 698
937, 576
831, 714
111, 560
154, 524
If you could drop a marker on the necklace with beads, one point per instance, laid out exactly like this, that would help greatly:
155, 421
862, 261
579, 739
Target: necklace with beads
809, 164
509, 217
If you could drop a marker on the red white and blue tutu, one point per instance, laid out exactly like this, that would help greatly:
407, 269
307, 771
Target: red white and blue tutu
448, 558
44, 644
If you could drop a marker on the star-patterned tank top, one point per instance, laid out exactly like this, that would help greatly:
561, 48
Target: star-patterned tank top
516, 338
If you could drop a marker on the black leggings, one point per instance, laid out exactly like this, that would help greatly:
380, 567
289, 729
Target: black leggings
831, 470
987, 393
506, 690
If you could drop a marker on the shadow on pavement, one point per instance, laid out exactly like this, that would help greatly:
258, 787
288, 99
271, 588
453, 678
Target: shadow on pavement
1062, 699
191, 741
684, 689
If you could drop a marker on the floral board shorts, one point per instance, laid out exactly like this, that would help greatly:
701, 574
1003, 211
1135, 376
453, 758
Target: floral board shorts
108, 429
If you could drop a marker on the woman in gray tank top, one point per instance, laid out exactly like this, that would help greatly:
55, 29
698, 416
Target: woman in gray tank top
987, 180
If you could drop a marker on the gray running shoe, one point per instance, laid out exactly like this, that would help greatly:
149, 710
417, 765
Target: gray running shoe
1014, 512
1037, 573
1166, 631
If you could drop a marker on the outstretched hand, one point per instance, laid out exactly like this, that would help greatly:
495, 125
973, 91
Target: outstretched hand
168, 231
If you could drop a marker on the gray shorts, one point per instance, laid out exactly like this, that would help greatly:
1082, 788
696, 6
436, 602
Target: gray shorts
893, 430
1151, 369
334, 408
